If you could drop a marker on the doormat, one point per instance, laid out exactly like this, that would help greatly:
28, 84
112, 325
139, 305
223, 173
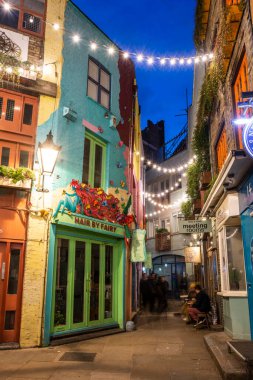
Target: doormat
71, 356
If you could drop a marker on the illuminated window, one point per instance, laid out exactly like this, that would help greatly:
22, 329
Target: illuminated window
221, 149
241, 84
24, 15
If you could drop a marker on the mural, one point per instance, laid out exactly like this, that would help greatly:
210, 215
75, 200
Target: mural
94, 202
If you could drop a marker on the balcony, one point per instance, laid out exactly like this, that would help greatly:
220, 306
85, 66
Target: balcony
162, 240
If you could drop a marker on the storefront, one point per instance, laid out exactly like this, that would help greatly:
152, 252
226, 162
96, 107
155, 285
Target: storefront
231, 255
246, 210
85, 282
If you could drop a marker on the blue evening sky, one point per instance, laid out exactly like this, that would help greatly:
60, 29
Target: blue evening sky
154, 27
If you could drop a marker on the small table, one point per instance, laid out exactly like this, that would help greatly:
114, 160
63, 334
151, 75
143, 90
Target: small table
244, 350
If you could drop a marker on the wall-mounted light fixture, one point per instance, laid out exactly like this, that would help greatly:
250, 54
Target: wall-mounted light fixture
47, 155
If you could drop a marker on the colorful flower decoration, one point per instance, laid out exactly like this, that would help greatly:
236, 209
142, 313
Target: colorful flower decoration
122, 184
120, 144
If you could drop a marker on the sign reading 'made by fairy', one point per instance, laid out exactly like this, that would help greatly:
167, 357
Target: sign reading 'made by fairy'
248, 137
194, 226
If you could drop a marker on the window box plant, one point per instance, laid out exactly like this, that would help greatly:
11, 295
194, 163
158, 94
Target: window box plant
20, 177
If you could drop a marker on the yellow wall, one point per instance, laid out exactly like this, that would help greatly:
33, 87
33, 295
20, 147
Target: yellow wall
37, 237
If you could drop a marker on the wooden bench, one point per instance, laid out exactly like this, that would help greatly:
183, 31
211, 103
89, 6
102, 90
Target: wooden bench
244, 350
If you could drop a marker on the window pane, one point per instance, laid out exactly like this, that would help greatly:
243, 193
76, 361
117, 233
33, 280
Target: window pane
93, 70
61, 282
10, 110
105, 99
79, 282
13, 271
32, 23
105, 80
108, 280
23, 159
92, 90
86, 161
9, 18
98, 165
235, 258
37, 6
94, 282
9, 320
5, 156
28, 113
1, 107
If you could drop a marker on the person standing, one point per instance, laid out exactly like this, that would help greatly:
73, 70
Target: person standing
144, 289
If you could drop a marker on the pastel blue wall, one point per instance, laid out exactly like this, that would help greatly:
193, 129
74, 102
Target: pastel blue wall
70, 135
236, 317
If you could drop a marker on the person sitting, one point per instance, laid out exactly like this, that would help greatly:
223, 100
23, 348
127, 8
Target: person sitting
188, 303
202, 304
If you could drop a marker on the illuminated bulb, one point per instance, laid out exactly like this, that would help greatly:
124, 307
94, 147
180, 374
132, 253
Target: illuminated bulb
195, 157
20, 70
56, 26
139, 57
7, 6
163, 61
211, 55
93, 46
126, 55
32, 67
196, 60
142, 158
181, 61
189, 61
137, 153
172, 188
111, 50
159, 168
31, 20
180, 179
172, 61
204, 58
149, 162
154, 166
76, 38
9, 70
150, 61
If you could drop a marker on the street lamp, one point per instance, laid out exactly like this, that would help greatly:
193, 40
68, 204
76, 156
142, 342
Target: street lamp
47, 155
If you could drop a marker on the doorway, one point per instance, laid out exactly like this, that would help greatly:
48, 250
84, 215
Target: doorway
85, 279
11, 282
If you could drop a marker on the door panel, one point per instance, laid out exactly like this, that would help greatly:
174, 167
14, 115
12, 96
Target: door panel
79, 282
95, 275
12, 263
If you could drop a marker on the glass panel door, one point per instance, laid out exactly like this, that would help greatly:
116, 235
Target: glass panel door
108, 282
95, 282
78, 303
60, 315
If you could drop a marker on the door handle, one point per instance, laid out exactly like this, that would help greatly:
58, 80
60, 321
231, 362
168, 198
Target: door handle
3, 271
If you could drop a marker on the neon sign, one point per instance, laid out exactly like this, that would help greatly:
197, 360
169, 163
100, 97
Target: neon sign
248, 137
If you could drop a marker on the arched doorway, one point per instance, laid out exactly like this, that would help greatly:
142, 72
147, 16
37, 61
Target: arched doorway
172, 267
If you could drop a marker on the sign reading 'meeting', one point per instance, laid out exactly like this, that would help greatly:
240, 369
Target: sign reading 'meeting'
194, 226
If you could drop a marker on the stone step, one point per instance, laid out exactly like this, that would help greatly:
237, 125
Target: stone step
9, 346
85, 336
230, 367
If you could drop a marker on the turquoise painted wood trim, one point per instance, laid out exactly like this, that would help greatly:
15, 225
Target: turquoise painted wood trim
89, 229
49, 286
88, 236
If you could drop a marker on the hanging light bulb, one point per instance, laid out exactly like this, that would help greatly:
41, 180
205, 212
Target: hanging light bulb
172, 61
76, 38
126, 55
21, 70
9, 70
111, 50
7, 6
196, 60
31, 20
162, 61
150, 60
140, 57
93, 46
181, 61
189, 61
56, 26
204, 58
211, 55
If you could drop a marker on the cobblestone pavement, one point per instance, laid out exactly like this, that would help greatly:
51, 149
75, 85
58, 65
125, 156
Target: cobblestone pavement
162, 347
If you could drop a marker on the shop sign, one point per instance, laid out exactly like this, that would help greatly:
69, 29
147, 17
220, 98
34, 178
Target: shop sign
138, 248
194, 226
246, 194
94, 225
192, 255
248, 137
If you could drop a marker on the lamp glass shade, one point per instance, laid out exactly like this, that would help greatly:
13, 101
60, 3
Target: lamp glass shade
47, 155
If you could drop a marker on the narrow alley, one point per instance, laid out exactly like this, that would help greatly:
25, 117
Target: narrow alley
162, 347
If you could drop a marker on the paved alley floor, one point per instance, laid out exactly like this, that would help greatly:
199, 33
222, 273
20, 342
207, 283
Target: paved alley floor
162, 347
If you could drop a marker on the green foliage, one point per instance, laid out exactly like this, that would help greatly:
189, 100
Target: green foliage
193, 177
161, 230
199, 27
19, 174
207, 192
186, 208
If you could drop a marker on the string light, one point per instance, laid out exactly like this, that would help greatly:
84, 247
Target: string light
176, 169
111, 50
76, 38
150, 60
163, 61
56, 26
93, 46
126, 55
7, 6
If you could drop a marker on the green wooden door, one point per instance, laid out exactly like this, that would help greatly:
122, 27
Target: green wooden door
85, 291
